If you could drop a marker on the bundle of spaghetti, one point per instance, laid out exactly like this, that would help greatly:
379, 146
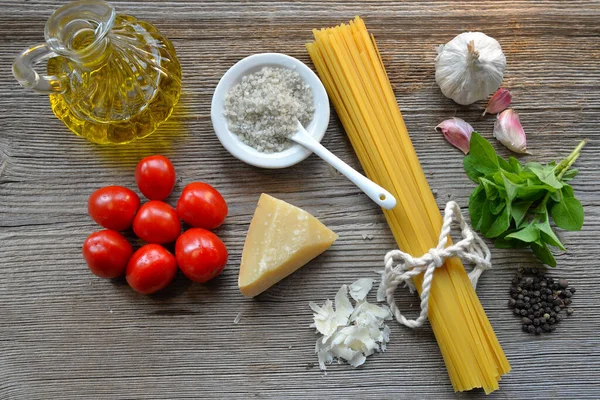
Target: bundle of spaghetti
350, 66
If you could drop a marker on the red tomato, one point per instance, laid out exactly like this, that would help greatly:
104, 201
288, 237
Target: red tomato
157, 222
200, 254
155, 177
150, 269
113, 207
202, 206
107, 253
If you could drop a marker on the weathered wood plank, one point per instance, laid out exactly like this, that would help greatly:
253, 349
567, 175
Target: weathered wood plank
66, 334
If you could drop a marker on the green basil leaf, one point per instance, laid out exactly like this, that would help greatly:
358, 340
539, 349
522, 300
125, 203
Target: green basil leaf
543, 254
505, 165
567, 191
531, 192
556, 196
500, 223
477, 203
548, 234
491, 189
472, 173
568, 214
510, 187
487, 218
533, 165
484, 156
497, 205
570, 174
503, 243
529, 234
519, 211
515, 164
545, 174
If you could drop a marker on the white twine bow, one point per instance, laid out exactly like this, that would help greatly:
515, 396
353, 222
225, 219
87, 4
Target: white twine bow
471, 249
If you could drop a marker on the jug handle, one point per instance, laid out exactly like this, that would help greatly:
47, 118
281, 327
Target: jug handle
29, 78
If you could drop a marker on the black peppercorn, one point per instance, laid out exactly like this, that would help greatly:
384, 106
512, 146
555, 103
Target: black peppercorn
538, 330
520, 303
520, 297
526, 321
568, 293
557, 309
524, 312
563, 283
512, 303
572, 290
517, 311
536, 321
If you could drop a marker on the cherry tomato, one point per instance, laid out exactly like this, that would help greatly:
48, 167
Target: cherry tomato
113, 207
202, 206
150, 269
200, 254
155, 177
107, 253
157, 222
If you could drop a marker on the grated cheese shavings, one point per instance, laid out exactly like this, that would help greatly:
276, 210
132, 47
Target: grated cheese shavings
350, 333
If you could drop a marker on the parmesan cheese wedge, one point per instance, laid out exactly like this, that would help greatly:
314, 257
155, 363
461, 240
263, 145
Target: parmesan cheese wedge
281, 239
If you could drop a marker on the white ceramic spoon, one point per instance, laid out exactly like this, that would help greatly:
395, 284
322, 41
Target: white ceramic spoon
375, 192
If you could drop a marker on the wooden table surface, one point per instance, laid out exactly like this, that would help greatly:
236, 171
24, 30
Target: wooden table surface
66, 334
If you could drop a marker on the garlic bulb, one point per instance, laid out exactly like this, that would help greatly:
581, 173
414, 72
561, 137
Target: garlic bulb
470, 67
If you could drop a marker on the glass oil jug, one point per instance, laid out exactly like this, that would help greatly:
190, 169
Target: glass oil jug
111, 78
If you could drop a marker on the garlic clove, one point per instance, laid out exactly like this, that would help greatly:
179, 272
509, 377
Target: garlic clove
457, 132
508, 130
498, 102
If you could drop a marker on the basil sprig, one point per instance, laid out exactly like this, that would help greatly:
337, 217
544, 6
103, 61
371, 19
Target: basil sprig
513, 203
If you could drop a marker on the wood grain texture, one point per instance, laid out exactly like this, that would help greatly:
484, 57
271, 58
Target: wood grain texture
66, 334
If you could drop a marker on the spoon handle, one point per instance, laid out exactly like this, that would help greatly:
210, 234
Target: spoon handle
375, 192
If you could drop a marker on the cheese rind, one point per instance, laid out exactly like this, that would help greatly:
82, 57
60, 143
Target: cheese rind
281, 239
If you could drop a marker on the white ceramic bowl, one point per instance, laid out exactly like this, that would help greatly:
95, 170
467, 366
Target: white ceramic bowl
242, 151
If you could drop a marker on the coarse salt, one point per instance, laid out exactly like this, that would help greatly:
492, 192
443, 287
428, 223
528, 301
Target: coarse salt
263, 108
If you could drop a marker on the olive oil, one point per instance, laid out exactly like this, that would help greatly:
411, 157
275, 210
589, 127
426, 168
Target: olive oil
111, 78
124, 93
